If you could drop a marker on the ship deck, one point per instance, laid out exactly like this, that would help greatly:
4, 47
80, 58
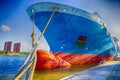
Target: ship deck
106, 71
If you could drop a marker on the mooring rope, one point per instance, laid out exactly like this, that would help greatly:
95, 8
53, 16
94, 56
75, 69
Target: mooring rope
32, 53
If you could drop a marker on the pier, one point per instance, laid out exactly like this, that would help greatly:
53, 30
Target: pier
105, 71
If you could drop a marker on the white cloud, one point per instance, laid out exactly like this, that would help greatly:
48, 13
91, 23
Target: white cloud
5, 28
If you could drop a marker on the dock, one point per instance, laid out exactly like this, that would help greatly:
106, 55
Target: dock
105, 71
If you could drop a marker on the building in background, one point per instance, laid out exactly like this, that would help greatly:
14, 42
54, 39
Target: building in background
7, 46
16, 47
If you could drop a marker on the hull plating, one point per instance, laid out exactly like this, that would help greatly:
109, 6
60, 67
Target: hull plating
48, 60
74, 59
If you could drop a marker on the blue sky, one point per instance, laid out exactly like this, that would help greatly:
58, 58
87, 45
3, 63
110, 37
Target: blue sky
16, 26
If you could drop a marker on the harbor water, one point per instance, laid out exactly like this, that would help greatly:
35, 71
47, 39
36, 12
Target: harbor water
10, 64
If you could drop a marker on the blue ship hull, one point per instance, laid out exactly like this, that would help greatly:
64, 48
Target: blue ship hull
72, 30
